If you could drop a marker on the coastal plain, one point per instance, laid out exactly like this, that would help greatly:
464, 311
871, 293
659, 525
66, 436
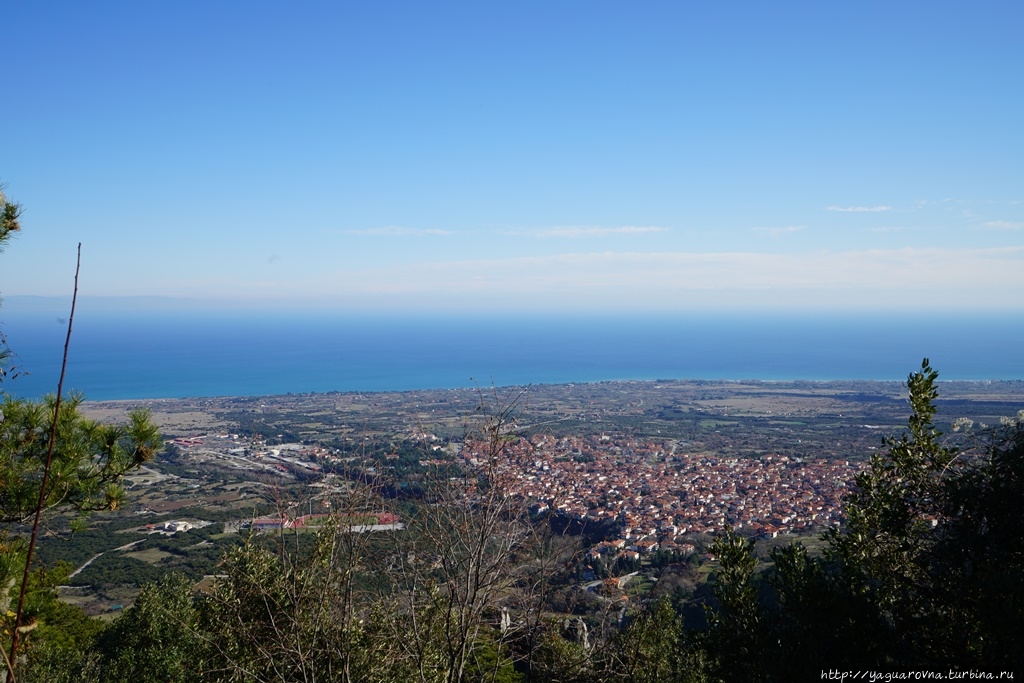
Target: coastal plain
803, 418
654, 465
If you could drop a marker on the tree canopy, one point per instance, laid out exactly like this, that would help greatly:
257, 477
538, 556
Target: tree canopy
927, 573
9, 218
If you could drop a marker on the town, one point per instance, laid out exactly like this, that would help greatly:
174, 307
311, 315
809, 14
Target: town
668, 493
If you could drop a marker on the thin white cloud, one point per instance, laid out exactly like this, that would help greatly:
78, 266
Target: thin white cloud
779, 232
880, 278
1004, 225
890, 228
396, 231
580, 231
934, 278
858, 209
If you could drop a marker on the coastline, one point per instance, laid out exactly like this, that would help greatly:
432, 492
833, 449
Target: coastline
453, 406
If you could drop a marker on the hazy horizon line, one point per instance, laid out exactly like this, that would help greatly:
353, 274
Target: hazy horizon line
35, 303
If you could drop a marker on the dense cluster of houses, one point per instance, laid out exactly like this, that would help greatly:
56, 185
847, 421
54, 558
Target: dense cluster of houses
659, 493
655, 491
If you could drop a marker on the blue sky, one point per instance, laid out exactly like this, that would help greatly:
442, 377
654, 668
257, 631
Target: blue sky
519, 156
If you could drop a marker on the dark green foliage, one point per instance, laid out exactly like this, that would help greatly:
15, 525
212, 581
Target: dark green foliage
266, 617
555, 658
653, 648
158, 639
78, 547
9, 224
89, 457
89, 460
976, 565
112, 569
60, 645
10, 213
269, 614
735, 631
927, 574
489, 662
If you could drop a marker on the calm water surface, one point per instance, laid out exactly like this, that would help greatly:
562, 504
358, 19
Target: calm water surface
120, 356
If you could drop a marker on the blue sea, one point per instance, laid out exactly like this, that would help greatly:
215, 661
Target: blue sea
118, 355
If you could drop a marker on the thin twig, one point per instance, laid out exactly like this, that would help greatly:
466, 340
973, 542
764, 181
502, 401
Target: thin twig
46, 470
10, 667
